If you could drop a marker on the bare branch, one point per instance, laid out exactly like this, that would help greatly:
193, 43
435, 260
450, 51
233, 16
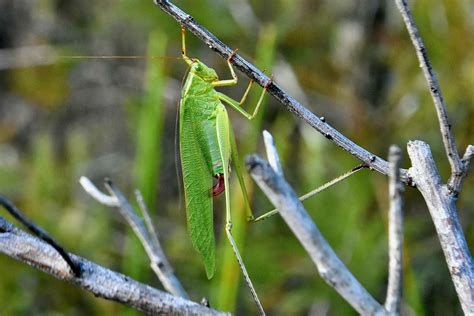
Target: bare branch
274, 89
102, 198
442, 208
330, 267
96, 279
272, 154
433, 85
456, 180
395, 235
158, 261
38, 231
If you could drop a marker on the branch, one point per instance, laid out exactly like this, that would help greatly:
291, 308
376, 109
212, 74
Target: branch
330, 267
395, 236
96, 279
456, 180
158, 261
274, 89
435, 90
441, 205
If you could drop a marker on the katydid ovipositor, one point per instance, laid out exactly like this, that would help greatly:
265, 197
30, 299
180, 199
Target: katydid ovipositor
207, 145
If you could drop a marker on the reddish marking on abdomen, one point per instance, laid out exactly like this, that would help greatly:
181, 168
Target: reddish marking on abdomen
219, 187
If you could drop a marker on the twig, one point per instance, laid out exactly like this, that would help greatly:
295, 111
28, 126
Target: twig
330, 267
274, 89
456, 180
395, 235
442, 207
158, 261
146, 216
272, 153
16, 213
96, 279
435, 90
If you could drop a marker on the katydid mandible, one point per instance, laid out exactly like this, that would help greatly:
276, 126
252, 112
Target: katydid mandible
207, 145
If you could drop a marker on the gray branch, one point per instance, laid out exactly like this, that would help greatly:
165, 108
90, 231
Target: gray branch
330, 267
395, 233
435, 90
441, 205
96, 279
274, 89
158, 261
456, 180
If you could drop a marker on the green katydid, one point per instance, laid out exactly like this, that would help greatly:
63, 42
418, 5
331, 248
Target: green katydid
207, 145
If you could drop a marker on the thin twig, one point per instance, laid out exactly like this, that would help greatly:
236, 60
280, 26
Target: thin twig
272, 154
146, 216
96, 279
290, 104
455, 181
395, 234
330, 267
158, 261
16, 213
435, 89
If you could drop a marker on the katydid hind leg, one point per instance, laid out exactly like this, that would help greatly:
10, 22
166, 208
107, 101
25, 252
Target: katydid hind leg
223, 138
238, 171
315, 191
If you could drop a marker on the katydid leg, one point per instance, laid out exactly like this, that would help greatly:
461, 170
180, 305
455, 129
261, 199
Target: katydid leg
237, 105
238, 171
223, 138
315, 191
188, 60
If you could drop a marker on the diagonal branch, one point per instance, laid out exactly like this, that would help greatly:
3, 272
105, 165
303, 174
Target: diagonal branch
290, 104
330, 267
96, 279
435, 89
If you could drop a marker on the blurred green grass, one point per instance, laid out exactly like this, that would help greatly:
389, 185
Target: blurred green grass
116, 118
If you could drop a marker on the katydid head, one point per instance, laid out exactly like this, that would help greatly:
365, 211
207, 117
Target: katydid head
202, 71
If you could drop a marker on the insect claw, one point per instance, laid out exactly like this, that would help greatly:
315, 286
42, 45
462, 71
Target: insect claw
232, 55
269, 82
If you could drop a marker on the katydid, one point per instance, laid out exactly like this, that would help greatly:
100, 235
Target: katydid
207, 145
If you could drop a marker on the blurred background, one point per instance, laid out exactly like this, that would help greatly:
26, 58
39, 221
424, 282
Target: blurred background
349, 61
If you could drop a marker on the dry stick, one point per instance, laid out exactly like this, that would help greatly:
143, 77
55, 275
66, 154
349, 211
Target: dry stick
96, 279
442, 207
16, 213
274, 89
458, 168
455, 182
330, 267
395, 232
158, 261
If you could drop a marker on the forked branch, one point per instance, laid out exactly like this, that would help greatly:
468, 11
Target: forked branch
459, 167
145, 232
